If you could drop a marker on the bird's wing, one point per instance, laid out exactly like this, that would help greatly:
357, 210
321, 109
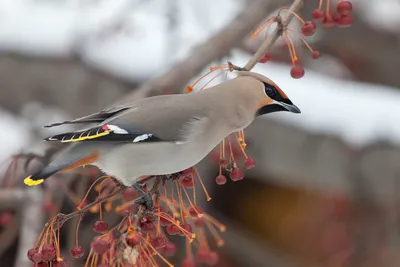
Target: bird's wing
176, 118
95, 117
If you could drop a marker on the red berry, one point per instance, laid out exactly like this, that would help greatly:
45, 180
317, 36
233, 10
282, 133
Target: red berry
99, 246
188, 182
37, 257
147, 226
31, 252
187, 227
61, 263
237, 174
345, 21
328, 21
187, 172
6, 218
49, 207
208, 257
100, 227
297, 72
195, 212
166, 219
267, 57
213, 258
221, 179
130, 194
344, 8
188, 262
133, 240
77, 252
249, 163
41, 264
318, 14
169, 249
159, 242
308, 28
316, 54
172, 229
48, 252
199, 222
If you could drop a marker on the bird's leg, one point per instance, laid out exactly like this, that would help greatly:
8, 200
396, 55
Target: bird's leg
147, 197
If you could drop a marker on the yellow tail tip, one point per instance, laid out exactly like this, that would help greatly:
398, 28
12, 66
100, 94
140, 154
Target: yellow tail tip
30, 182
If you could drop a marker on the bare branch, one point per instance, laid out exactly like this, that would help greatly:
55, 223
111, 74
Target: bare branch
213, 49
282, 25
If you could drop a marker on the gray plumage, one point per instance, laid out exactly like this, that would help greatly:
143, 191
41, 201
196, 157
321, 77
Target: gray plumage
172, 132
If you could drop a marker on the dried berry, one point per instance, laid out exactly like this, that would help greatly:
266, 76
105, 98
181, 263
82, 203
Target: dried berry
195, 212
133, 240
169, 249
249, 163
308, 28
48, 252
267, 57
99, 246
344, 8
236, 174
220, 179
31, 252
315, 54
77, 252
318, 14
100, 227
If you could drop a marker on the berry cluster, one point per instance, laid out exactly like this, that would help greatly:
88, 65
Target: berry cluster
342, 18
227, 155
142, 234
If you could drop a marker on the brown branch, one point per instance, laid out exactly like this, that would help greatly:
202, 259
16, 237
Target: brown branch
213, 49
62, 218
279, 30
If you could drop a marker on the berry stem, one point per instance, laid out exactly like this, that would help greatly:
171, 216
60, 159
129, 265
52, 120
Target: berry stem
292, 12
291, 49
202, 185
320, 4
90, 188
77, 230
328, 6
266, 24
303, 39
157, 253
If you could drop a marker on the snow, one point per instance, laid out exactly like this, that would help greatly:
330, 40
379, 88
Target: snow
359, 113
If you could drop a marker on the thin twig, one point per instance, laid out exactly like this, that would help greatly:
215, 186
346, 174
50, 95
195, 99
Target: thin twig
62, 218
268, 43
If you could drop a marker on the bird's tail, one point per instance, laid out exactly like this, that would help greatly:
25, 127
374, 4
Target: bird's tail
59, 166
43, 174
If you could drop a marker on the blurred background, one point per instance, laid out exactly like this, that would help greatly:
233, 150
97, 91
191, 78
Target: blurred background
325, 188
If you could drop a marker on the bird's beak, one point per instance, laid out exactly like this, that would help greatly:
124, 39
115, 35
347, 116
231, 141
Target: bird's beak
275, 106
289, 107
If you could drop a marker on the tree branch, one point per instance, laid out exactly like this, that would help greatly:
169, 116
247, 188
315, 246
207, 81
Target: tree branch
213, 49
268, 43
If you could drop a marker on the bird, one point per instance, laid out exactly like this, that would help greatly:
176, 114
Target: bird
164, 134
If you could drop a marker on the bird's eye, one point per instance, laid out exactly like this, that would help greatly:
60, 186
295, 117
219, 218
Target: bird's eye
271, 91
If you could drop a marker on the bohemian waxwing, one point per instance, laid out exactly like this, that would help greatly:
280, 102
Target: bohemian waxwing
165, 134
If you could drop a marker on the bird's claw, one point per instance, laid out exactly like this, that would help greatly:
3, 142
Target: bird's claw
146, 200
